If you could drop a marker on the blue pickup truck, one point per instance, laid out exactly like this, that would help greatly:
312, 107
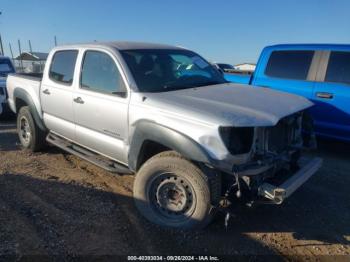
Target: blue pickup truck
319, 72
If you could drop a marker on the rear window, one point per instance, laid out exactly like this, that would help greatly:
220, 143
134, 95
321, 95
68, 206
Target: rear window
62, 66
338, 70
289, 64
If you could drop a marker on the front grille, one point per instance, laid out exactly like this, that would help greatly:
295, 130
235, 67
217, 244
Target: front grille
279, 138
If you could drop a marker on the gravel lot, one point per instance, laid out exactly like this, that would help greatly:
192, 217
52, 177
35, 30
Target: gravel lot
53, 203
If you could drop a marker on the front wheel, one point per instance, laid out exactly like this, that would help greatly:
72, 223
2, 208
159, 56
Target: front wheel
173, 192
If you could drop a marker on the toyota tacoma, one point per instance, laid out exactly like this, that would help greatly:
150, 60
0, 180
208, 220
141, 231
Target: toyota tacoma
195, 142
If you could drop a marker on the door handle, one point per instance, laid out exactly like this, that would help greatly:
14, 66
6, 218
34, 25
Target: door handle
78, 100
324, 95
46, 92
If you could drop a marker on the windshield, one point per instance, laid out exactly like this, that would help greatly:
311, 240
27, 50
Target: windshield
6, 67
164, 70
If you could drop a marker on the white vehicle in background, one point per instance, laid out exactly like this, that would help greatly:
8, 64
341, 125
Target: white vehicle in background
6, 67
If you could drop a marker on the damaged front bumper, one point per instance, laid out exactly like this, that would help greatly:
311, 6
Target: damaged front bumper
278, 193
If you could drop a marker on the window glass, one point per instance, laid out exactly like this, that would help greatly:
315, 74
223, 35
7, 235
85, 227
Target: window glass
338, 68
62, 66
289, 64
100, 73
162, 70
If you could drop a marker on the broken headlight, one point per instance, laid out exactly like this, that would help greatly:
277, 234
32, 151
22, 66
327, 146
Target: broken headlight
238, 140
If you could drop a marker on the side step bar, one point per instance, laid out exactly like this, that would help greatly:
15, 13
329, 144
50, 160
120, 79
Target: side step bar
87, 155
279, 193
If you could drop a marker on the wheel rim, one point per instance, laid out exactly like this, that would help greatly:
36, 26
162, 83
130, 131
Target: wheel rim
172, 197
24, 130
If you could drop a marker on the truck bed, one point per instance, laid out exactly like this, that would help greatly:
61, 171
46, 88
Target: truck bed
29, 84
36, 76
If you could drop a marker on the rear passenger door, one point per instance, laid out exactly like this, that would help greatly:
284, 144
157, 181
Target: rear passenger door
56, 93
332, 95
101, 105
288, 70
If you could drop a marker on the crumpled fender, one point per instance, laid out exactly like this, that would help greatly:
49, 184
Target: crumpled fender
151, 131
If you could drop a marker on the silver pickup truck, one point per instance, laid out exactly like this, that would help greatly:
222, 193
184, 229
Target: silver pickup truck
195, 142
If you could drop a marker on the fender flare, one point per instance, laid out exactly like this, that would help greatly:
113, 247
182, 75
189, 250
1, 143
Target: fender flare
24, 95
150, 131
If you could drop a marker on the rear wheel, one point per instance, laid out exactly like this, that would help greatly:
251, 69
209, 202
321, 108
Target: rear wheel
171, 191
29, 134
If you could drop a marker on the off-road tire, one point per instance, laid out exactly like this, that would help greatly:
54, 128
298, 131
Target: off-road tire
204, 184
36, 137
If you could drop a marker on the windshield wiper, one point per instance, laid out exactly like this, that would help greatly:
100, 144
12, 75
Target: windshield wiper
179, 87
211, 83
174, 88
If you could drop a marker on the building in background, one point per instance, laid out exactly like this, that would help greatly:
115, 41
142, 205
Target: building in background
248, 67
30, 62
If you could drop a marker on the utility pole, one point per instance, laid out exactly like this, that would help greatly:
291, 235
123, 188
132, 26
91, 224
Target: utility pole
30, 46
20, 53
2, 48
55, 41
11, 51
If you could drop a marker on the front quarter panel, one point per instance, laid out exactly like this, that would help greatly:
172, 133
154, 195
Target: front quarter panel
180, 128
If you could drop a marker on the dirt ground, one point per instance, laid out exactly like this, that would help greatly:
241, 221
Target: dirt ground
53, 203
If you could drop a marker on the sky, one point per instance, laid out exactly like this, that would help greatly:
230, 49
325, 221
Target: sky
222, 31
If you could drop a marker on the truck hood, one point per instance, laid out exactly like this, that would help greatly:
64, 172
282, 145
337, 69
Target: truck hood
229, 104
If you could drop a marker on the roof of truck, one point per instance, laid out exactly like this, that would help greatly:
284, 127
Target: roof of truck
310, 46
124, 45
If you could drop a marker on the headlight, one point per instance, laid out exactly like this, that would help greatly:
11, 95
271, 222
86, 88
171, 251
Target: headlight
238, 140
